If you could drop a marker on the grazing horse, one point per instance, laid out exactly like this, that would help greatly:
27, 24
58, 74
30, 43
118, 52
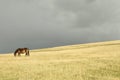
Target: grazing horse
22, 51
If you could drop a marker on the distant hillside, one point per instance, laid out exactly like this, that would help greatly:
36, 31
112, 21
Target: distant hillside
80, 46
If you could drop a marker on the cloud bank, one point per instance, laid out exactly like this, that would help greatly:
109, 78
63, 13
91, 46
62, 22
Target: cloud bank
49, 23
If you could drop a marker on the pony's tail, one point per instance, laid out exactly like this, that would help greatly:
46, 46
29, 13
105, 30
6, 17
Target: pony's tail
28, 53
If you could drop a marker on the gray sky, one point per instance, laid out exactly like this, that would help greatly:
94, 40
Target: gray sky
48, 23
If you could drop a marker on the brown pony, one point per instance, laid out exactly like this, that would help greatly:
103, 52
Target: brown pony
22, 51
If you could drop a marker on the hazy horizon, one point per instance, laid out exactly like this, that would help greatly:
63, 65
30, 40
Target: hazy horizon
49, 23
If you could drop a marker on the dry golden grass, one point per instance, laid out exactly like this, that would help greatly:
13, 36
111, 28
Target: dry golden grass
94, 61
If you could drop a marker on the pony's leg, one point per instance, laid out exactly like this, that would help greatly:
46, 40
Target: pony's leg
26, 54
19, 54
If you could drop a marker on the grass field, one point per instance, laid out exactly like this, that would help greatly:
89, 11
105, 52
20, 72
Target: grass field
94, 61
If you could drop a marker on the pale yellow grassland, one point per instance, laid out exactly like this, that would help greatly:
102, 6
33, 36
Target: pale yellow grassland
94, 61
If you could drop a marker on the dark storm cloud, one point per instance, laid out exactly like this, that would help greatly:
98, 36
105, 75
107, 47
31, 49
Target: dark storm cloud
48, 23
89, 12
90, 1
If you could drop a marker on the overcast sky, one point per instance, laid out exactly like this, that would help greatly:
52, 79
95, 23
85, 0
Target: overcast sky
48, 23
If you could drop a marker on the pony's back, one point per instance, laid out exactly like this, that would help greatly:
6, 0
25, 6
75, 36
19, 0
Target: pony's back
21, 51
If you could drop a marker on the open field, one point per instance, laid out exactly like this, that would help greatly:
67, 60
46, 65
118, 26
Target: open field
94, 61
